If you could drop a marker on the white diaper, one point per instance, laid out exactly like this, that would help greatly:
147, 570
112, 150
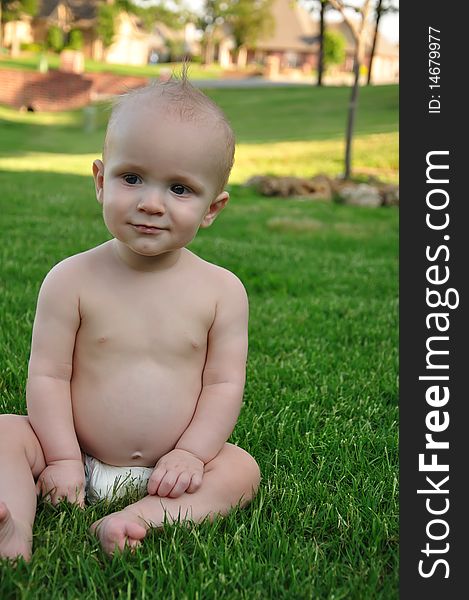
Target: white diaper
108, 481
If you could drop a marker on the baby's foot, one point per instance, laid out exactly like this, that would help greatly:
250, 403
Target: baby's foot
119, 530
15, 539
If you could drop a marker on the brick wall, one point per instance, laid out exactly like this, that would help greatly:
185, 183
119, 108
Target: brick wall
57, 90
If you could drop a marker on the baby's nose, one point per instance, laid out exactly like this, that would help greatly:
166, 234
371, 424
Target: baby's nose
152, 202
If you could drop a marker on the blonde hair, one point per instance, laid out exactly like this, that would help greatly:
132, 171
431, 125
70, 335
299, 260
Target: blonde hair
184, 101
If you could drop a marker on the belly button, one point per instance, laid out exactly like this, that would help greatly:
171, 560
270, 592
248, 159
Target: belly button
136, 455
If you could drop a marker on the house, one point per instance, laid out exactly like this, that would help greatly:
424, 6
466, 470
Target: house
294, 38
132, 43
386, 56
293, 43
67, 15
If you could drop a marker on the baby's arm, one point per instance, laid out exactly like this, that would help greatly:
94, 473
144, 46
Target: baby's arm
220, 400
48, 388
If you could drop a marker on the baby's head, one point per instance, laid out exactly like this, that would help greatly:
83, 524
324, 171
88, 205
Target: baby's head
177, 99
167, 156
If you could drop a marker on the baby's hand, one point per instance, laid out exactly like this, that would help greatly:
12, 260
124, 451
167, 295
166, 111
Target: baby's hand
177, 472
63, 480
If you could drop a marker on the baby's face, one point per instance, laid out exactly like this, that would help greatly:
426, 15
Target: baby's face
159, 182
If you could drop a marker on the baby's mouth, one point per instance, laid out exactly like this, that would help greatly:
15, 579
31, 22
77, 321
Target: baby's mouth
147, 228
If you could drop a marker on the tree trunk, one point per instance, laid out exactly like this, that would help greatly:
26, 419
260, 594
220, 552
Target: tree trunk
209, 52
352, 109
358, 34
242, 57
375, 37
321, 43
15, 41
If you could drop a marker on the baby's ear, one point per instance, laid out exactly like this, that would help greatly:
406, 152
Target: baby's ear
215, 208
98, 175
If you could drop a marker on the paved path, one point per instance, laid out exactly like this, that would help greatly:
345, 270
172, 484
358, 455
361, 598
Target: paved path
248, 82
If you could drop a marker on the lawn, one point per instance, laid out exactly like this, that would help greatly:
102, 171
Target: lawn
280, 131
30, 62
320, 411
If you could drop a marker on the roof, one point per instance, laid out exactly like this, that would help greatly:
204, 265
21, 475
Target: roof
383, 46
298, 32
81, 9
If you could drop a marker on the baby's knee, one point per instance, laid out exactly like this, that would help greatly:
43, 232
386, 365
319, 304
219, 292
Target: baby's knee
12, 426
245, 468
17, 436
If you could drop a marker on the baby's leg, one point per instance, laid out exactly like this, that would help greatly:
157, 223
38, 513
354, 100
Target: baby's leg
21, 462
232, 477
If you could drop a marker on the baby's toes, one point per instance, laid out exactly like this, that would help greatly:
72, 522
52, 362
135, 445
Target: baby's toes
134, 533
111, 534
115, 533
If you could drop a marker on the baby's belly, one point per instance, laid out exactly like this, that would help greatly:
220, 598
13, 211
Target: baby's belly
133, 414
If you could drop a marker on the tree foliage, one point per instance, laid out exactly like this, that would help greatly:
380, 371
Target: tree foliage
13, 10
75, 40
248, 19
107, 14
334, 48
147, 12
55, 38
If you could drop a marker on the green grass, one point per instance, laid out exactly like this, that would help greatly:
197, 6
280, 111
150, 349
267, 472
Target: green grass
280, 131
320, 412
30, 62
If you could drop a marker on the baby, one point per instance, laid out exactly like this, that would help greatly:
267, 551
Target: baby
139, 346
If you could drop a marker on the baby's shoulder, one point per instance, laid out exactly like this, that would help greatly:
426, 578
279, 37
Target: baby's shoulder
71, 270
219, 279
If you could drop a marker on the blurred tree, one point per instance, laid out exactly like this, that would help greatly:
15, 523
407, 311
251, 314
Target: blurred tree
172, 14
75, 39
322, 24
12, 11
148, 13
55, 38
320, 5
248, 21
386, 7
358, 29
334, 48
107, 14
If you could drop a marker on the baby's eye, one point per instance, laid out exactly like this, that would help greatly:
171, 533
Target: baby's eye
180, 189
131, 179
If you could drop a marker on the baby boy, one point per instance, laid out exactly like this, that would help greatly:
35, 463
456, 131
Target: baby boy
139, 346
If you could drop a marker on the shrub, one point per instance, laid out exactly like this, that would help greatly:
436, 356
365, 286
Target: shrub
107, 14
334, 48
32, 47
75, 40
55, 38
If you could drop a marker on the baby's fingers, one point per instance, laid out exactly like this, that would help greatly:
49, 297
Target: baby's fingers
76, 497
155, 480
181, 485
46, 490
167, 483
195, 483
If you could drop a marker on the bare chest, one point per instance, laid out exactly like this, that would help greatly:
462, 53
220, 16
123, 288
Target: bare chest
160, 322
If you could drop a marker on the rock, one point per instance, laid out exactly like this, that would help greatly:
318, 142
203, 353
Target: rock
389, 195
316, 188
321, 187
360, 195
